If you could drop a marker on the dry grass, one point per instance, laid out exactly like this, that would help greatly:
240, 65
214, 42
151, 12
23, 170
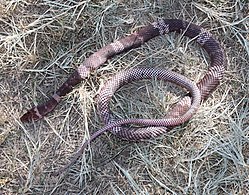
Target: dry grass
42, 41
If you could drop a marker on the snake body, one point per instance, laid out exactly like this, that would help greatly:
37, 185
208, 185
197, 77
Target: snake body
180, 113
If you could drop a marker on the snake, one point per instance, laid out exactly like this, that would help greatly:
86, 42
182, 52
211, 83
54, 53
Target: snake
138, 128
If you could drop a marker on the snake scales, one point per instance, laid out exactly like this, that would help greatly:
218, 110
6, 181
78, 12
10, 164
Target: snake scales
180, 113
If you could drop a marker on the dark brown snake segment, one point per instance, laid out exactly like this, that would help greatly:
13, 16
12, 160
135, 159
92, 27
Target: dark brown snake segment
178, 114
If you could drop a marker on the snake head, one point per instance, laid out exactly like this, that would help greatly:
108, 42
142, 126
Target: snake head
38, 112
31, 115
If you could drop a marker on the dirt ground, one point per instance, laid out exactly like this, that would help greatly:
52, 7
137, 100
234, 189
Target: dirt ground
43, 41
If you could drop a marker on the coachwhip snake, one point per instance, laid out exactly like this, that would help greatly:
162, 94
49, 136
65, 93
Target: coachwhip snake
180, 113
